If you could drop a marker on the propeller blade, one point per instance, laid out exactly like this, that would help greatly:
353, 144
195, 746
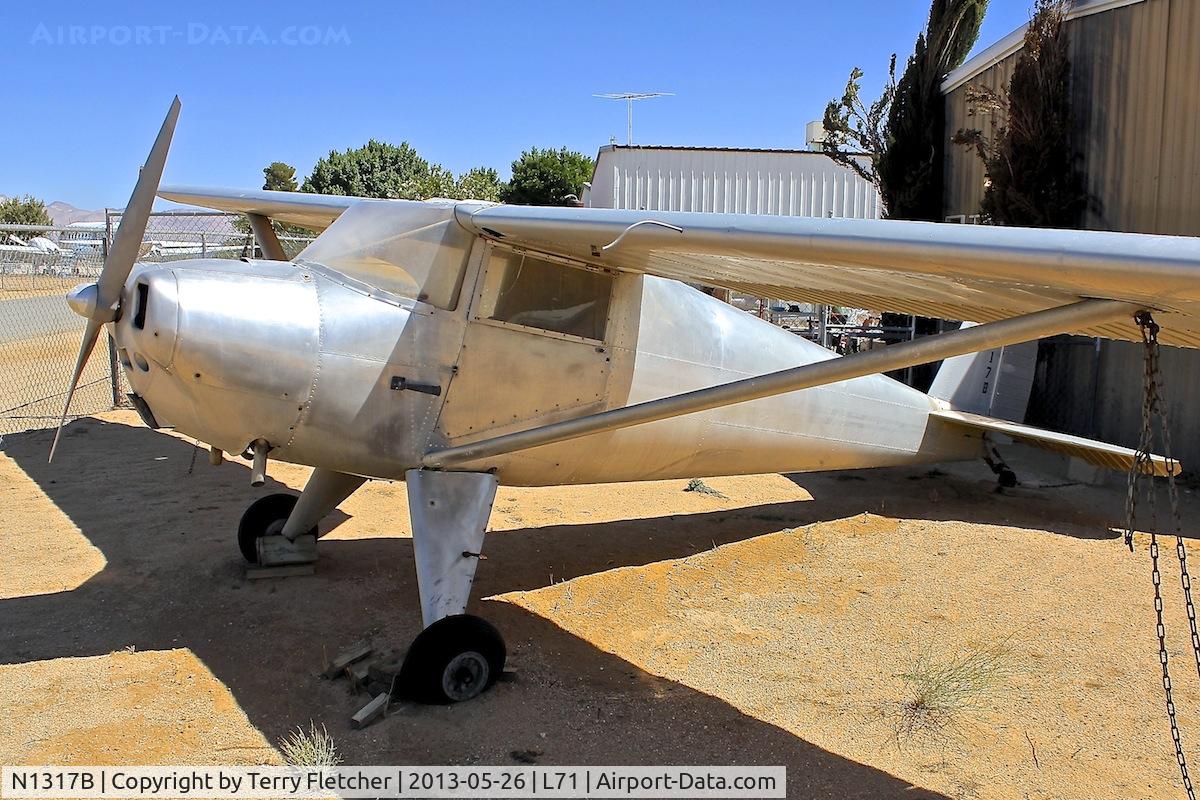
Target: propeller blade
124, 250
90, 334
121, 256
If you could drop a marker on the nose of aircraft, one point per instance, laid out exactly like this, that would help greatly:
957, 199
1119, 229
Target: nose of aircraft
82, 299
149, 324
220, 349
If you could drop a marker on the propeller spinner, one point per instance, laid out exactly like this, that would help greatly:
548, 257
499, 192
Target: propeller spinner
99, 302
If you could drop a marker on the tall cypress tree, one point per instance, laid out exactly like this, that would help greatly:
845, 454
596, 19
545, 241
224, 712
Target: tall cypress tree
910, 167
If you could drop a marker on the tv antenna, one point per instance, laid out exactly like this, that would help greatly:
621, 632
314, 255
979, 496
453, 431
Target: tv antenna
629, 97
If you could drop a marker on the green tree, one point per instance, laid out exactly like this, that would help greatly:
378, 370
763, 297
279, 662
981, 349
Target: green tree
854, 129
439, 182
379, 169
901, 133
1031, 164
280, 177
546, 177
911, 166
479, 183
27, 210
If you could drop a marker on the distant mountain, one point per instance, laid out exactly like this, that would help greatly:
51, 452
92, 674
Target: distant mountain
64, 214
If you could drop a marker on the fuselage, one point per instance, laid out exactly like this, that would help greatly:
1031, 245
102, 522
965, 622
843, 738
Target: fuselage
335, 371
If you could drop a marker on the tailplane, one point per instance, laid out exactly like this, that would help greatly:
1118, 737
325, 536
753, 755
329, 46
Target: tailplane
988, 393
1101, 454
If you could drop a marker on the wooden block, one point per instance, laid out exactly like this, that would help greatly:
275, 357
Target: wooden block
354, 652
386, 669
371, 711
358, 672
255, 573
276, 550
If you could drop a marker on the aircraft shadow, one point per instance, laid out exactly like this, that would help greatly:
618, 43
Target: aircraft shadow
968, 492
173, 579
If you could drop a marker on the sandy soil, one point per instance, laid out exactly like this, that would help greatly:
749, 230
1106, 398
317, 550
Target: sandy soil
645, 624
136, 713
33, 380
13, 287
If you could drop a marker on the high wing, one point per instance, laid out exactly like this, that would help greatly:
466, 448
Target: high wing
314, 211
972, 272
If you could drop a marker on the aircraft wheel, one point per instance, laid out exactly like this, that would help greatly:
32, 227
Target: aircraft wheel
264, 517
1007, 478
453, 660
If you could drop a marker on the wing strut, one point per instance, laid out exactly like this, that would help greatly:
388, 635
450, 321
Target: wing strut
267, 240
987, 336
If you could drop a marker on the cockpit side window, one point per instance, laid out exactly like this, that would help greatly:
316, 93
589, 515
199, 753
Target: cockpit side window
522, 289
414, 250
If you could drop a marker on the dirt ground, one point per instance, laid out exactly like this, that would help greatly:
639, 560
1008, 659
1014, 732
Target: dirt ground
645, 624
33, 380
13, 287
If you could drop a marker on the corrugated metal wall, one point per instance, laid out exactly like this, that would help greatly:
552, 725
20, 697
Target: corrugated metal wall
964, 176
777, 182
1136, 100
1136, 92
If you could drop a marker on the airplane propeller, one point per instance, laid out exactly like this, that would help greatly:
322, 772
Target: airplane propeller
99, 302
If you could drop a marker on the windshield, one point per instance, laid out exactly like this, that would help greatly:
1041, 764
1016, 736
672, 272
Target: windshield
415, 250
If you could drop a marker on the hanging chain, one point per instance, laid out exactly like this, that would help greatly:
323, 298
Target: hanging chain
1153, 408
195, 449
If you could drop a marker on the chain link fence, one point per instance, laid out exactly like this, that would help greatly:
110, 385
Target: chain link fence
1093, 388
40, 335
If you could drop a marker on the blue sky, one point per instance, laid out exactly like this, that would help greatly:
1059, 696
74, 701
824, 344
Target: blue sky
466, 83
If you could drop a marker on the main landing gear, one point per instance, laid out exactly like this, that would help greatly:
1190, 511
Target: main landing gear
265, 517
454, 659
281, 529
457, 656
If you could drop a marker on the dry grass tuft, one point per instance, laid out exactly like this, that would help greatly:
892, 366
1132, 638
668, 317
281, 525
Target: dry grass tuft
311, 748
941, 691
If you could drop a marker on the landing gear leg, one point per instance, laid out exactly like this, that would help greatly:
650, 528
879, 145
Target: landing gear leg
282, 529
457, 656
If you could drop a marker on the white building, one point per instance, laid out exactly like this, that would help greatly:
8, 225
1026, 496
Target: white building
797, 183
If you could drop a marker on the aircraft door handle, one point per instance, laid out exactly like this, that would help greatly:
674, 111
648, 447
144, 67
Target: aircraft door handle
400, 383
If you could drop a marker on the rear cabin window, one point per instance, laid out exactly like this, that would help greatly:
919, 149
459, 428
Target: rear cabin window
522, 289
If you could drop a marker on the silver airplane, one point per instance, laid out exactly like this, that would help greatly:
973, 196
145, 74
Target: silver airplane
459, 345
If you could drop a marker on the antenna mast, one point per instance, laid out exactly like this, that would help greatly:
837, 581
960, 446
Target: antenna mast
629, 97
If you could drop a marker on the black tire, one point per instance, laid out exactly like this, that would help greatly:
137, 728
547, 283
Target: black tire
453, 660
1008, 478
265, 515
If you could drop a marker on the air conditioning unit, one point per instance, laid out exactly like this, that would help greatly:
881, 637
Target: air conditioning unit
815, 134
966, 219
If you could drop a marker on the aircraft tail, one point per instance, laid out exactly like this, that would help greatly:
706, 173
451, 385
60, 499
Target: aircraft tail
988, 393
993, 383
